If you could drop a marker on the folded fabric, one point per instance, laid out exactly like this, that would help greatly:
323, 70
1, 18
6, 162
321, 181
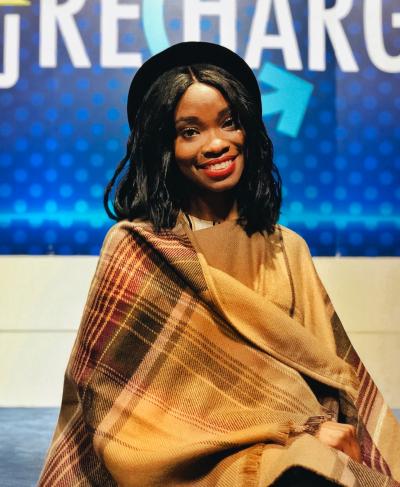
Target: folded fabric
207, 358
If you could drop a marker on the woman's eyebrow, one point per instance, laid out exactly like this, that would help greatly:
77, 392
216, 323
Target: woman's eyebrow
224, 112
194, 119
189, 119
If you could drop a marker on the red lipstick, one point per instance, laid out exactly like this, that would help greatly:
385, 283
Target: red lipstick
216, 173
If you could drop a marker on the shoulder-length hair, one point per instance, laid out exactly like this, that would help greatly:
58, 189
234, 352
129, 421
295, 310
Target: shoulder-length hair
148, 183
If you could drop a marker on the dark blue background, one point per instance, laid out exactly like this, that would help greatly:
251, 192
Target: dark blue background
63, 130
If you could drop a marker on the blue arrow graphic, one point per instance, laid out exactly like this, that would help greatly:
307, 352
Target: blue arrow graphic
290, 98
153, 25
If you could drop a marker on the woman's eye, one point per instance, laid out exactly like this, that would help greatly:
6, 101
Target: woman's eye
189, 132
229, 122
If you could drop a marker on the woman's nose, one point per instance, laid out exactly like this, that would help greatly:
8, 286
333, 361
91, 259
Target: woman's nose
215, 146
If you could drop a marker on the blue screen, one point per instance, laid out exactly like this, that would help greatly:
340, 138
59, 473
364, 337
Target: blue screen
335, 130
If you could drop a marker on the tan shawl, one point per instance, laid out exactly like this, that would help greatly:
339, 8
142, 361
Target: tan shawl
204, 359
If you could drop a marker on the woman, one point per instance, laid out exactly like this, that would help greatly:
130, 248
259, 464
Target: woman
209, 353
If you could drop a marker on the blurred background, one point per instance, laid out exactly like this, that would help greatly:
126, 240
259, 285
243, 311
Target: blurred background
329, 76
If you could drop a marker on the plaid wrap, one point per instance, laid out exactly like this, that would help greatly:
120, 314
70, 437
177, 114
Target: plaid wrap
184, 374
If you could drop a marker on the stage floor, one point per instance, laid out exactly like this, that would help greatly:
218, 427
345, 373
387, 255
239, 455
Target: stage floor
25, 434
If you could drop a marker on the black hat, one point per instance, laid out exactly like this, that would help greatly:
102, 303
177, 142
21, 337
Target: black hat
183, 54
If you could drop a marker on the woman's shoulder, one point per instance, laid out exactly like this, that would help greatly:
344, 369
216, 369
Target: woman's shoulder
121, 231
290, 235
292, 241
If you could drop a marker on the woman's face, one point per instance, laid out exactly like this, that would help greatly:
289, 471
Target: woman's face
208, 144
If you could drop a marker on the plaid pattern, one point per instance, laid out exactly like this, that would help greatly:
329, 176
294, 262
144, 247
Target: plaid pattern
181, 375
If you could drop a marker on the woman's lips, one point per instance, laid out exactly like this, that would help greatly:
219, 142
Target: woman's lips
217, 160
220, 167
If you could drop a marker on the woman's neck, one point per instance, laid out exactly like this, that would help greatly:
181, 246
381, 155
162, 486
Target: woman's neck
213, 207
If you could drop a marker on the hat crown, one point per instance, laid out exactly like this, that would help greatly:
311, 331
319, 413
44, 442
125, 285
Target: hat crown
186, 54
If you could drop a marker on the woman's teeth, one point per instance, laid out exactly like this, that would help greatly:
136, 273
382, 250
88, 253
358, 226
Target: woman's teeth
220, 165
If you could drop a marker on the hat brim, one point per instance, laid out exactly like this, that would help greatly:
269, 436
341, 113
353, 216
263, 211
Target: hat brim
185, 54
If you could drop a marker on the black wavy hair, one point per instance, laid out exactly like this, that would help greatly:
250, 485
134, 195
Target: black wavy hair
147, 182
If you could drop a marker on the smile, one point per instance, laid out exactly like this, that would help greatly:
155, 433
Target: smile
220, 165
220, 168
